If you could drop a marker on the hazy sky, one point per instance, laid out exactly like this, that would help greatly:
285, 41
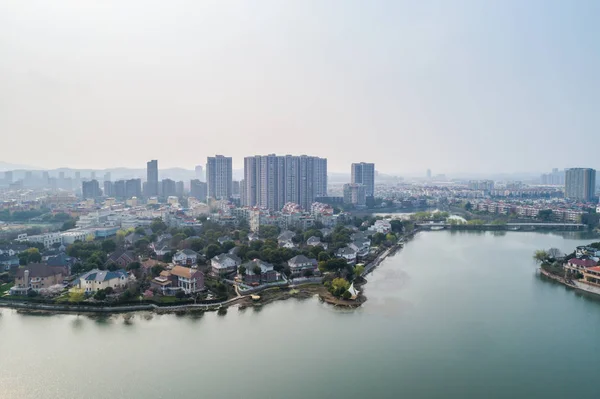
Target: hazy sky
455, 86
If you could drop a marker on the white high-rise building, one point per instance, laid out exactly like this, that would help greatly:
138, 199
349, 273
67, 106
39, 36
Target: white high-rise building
580, 184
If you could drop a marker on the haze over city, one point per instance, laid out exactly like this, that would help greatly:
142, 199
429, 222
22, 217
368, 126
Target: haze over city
451, 86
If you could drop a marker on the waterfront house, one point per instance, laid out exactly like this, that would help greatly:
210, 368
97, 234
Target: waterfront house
361, 246
185, 257
267, 273
97, 279
347, 253
224, 264
187, 279
592, 275
381, 226
36, 276
579, 265
299, 264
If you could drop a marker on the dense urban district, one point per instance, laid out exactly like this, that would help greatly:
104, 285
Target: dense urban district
282, 231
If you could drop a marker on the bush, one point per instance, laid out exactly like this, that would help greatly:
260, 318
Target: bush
180, 295
347, 295
32, 294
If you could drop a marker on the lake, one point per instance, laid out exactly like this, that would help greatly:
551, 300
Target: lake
452, 315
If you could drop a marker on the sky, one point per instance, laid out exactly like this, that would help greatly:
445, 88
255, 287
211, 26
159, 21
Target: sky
453, 86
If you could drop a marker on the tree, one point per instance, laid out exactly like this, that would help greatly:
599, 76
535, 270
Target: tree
323, 256
177, 238
167, 257
196, 244
109, 290
358, 270
545, 215
158, 226
540, 256
268, 231
346, 295
100, 295
228, 245
134, 266
468, 207
554, 253
397, 226
307, 273
211, 251
156, 270
108, 246
30, 255
339, 286
242, 270
256, 270
76, 295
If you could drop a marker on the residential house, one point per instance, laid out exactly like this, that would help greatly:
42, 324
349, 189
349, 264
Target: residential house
187, 279
315, 241
97, 279
347, 253
180, 278
36, 276
132, 238
267, 272
224, 264
326, 232
285, 239
62, 260
122, 258
223, 240
8, 262
299, 264
361, 246
578, 265
586, 251
12, 249
253, 237
161, 251
185, 257
381, 226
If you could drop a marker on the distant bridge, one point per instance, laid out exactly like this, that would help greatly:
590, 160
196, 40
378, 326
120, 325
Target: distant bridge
504, 226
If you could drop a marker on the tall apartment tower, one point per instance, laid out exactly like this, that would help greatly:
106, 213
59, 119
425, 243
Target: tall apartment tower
364, 173
152, 178
580, 184
219, 177
199, 173
198, 190
270, 181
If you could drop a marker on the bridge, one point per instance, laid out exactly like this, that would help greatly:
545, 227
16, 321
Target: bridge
504, 226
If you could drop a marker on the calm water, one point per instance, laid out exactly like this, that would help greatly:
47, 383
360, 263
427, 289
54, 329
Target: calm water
452, 315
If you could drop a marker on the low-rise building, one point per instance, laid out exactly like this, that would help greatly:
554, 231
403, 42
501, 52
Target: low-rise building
258, 271
185, 257
122, 258
36, 276
97, 279
300, 264
224, 264
347, 253
578, 265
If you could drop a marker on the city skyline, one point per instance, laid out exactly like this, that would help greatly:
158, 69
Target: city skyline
493, 85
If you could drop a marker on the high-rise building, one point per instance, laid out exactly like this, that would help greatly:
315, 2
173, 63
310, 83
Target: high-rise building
219, 177
271, 181
168, 187
235, 188
481, 185
109, 188
91, 189
107, 176
93, 175
199, 173
198, 190
8, 177
133, 188
152, 178
355, 194
428, 174
179, 188
364, 173
556, 178
119, 189
580, 184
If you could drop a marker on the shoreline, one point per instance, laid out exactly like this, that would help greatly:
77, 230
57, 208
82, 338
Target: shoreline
299, 291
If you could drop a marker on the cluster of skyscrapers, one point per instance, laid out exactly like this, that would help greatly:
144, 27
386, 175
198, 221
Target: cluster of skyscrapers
271, 181
362, 184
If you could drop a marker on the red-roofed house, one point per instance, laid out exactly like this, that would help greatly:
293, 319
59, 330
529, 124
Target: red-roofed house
579, 264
